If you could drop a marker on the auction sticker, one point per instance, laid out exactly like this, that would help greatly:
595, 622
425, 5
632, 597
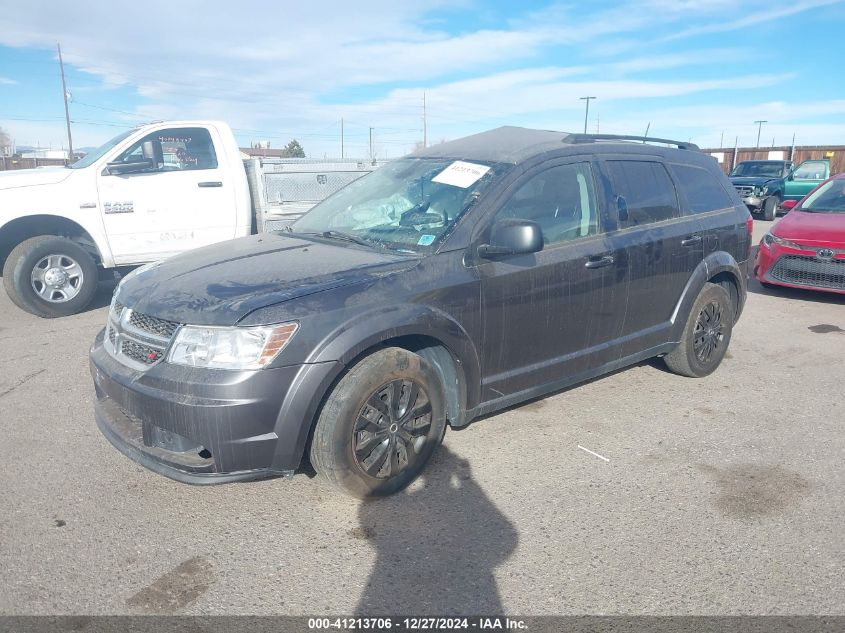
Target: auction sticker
461, 174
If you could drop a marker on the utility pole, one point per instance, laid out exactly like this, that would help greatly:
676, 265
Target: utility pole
425, 125
587, 113
722, 140
759, 128
67, 113
341, 138
371, 144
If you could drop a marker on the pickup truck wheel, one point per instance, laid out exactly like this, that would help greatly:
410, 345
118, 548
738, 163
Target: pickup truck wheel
380, 424
706, 335
50, 276
770, 207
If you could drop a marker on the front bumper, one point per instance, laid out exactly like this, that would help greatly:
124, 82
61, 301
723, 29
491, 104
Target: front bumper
204, 426
799, 268
753, 202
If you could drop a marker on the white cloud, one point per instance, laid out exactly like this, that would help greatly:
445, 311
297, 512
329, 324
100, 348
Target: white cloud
294, 69
5, 81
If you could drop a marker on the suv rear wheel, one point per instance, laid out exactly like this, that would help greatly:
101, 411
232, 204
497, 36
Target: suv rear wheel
50, 276
380, 424
706, 334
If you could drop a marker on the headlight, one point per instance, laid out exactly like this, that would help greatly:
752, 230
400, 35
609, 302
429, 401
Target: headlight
764, 190
230, 347
769, 239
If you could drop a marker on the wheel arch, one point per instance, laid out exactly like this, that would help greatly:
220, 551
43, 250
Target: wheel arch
454, 360
719, 268
23, 228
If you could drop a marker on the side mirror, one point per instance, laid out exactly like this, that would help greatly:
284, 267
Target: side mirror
152, 151
790, 176
130, 168
512, 237
788, 205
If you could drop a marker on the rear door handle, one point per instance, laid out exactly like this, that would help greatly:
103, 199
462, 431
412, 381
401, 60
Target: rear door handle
210, 183
599, 262
692, 240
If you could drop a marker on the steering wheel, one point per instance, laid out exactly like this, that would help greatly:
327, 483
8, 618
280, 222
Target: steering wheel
422, 214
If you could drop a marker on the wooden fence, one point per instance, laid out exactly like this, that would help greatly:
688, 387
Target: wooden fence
834, 153
12, 162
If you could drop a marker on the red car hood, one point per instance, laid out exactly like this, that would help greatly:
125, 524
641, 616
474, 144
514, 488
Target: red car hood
813, 229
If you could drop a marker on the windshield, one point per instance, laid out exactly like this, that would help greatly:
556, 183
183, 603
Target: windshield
768, 170
410, 204
828, 198
94, 155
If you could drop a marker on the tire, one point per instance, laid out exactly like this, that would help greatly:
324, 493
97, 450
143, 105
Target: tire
373, 452
50, 276
702, 345
770, 207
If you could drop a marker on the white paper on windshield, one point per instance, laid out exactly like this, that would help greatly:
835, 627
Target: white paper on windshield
461, 174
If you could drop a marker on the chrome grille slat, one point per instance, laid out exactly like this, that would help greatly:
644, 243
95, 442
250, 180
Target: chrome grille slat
803, 270
153, 325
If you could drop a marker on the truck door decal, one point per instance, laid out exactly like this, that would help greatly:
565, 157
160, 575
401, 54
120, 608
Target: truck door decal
119, 207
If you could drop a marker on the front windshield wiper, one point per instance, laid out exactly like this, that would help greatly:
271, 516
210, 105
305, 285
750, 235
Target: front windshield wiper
336, 235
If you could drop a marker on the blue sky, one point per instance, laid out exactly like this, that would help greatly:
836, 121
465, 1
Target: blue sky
274, 71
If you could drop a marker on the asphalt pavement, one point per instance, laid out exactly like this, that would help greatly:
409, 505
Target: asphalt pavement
722, 495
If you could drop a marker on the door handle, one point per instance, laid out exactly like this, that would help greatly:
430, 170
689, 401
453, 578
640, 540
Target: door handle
600, 262
692, 240
210, 183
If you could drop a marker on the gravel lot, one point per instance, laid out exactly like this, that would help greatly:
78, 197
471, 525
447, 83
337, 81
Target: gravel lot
723, 495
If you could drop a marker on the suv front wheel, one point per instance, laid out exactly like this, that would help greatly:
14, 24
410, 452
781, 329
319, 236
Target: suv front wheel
380, 424
706, 334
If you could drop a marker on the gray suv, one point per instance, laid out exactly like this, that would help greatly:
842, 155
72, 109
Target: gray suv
448, 284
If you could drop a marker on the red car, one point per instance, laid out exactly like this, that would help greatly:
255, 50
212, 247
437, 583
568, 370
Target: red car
807, 248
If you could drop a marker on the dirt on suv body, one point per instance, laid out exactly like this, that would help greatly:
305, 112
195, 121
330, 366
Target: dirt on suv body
459, 280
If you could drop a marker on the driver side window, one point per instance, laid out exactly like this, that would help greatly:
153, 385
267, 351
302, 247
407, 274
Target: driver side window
182, 149
562, 200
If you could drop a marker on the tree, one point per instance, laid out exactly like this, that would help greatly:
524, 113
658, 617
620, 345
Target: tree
294, 150
5, 141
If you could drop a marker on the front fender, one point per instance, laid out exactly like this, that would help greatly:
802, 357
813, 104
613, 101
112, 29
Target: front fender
348, 341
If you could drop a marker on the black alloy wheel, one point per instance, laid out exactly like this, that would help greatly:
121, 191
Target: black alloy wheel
391, 429
708, 335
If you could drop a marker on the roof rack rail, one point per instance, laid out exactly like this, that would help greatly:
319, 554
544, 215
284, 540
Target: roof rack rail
591, 138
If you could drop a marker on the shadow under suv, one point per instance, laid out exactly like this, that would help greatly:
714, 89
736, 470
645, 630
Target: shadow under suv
448, 284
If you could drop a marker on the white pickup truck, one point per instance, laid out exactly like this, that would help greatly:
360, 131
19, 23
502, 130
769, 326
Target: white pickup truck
148, 193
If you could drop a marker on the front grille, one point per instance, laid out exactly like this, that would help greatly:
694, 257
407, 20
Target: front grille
137, 340
140, 353
803, 270
744, 190
153, 325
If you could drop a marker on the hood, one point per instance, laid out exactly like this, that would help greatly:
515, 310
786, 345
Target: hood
753, 181
814, 229
222, 283
32, 177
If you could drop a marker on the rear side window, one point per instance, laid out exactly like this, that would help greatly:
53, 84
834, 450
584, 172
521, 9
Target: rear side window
642, 192
701, 189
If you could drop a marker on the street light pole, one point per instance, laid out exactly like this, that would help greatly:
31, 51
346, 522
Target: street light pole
759, 128
587, 113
